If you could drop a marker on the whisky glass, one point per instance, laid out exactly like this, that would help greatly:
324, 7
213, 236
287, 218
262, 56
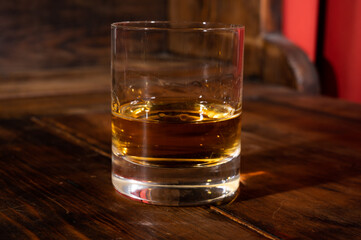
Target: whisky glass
176, 111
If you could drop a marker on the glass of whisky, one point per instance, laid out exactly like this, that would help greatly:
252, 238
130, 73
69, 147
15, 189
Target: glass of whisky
176, 111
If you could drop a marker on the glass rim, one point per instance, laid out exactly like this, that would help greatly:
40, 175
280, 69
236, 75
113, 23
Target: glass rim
175, 26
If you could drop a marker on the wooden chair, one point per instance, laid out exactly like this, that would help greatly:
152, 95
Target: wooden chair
269, 56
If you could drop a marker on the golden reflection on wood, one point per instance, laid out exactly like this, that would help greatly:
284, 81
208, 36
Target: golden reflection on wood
246, 176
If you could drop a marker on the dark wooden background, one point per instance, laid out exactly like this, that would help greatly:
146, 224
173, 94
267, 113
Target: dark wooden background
50, 48
45, 34
43, 39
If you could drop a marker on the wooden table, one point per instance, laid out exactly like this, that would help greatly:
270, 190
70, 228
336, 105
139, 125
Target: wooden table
301, 162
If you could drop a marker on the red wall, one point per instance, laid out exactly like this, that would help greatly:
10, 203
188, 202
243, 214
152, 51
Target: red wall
340, 69
342, 46
299, 24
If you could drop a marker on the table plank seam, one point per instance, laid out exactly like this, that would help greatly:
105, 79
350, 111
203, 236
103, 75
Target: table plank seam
245, 224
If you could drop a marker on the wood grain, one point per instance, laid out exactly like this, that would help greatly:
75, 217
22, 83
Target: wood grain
300, 163
55, 105
54, 188
45, 46
55, 82
308, 162
66, 34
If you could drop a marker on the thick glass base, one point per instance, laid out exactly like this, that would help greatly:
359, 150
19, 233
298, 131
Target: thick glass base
177, 186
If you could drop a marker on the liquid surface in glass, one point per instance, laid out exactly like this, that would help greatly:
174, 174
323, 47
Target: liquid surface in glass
173, 133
